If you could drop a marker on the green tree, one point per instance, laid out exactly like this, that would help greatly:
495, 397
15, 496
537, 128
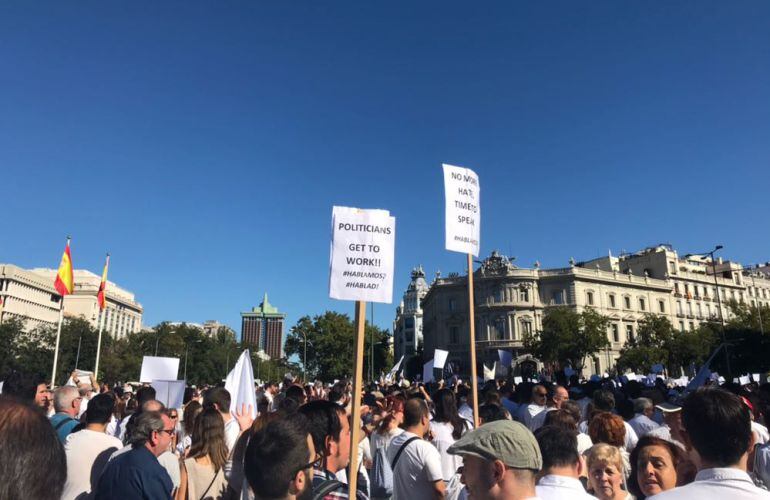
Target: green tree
568, 337
331, 345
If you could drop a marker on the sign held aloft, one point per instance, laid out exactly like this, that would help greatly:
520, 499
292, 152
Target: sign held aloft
362, 255
463, 212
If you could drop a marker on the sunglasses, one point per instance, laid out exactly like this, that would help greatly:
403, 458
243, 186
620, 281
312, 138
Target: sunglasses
319, 458
173, 415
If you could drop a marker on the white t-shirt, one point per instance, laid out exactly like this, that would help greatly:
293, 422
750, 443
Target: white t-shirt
418, 467
232, 431
442, 440
87, 453
380, 440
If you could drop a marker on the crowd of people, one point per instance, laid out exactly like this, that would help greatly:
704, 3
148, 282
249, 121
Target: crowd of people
561, 439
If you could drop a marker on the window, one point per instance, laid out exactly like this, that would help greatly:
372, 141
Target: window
627, 301
558, 297
590, 298
672, 267
409, 322
692, 326
676, 287
642, 305
615, 333
699, 310
526, 327
681, 325
708, 310
662, 306
524, 294
689, 308
630, 332
679, 307
452, 305
454, 336
612, 300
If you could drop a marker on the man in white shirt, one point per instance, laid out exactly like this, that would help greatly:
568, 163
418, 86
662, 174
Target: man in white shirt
562, 465
417, 471
89, 450
671, 429
219, 398
642, 422
717, 426
535, 406
556, 397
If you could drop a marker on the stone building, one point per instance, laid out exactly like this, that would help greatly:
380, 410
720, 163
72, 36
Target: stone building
511, 301
29, 295
407, 327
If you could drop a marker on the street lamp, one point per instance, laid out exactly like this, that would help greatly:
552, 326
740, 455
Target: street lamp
719, 299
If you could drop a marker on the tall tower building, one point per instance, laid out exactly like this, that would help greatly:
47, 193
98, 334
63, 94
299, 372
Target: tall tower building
262, 327
407, 327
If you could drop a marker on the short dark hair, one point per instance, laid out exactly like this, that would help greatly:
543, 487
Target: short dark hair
22, 386
603, 400
324, 418
561, 418
718, 425
275, 454
558, 446
218, 396
297, 393
644, 442
337, 392
144, 394
100, 408
414, 411
491, 412
32, 460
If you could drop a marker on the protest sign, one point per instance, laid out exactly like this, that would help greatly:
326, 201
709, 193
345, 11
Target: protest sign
169, 392
463, 213
158, 368
362, 255
427, 372
240, 384
84, 377
517, 380
439, 358
506, 358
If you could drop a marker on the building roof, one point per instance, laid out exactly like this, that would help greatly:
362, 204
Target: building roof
265, 309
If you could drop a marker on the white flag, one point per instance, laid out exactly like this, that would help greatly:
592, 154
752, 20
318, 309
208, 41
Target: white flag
240, 384
463, 212
489, 373
391, 375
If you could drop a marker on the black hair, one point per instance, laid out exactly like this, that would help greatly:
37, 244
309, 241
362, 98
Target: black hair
100, 408
558, 446
297, 393
415, 410
337, 392
275, 454
718, 425
324, 418
604, 400
446, 411
491, 412
32, 461
218, 396
144, 394
22, 386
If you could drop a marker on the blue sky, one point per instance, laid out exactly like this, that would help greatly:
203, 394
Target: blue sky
204, 143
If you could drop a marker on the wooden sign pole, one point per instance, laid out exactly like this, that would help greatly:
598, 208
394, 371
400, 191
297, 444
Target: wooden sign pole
472, 321
355, 420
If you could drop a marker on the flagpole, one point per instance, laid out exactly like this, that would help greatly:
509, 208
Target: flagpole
58, 337
99, 342
355, 431
472, 321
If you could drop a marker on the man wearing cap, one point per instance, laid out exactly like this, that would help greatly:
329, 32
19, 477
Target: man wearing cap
671, 429
500, 461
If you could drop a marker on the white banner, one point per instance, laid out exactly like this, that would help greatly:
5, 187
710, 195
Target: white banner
169, 392
362, 255
240, 384
463, 212
439, 358
489, 373
158, 368
427, 372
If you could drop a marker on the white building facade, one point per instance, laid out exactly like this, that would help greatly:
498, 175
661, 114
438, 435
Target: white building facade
407, 327
511, 301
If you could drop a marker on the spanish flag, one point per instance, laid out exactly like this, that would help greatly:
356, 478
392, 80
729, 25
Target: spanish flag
103, 286
65, 283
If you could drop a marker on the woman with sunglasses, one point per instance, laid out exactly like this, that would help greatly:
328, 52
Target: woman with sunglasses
202, 472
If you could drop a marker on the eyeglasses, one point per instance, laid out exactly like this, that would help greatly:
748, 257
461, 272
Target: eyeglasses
316, 464
173, 415
170, 432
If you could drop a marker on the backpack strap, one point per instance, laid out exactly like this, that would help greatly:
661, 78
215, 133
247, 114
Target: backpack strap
63, 421
325, 488
400, 450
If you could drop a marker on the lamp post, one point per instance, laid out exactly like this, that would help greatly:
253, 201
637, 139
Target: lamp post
719, 300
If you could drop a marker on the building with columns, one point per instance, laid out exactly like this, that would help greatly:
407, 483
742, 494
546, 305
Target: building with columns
262, 327
407, 327
30, 296
510, 301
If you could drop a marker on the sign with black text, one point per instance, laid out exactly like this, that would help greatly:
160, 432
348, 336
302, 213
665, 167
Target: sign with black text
362, 255
463, 212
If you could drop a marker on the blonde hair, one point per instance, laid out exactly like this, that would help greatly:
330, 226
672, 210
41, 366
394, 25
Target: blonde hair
604, 454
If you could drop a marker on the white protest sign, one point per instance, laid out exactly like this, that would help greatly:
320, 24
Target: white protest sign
362, 255
439, 358
240, 385
517, 380
84, 377
169, 392
427, 372
157, 368
463, 212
